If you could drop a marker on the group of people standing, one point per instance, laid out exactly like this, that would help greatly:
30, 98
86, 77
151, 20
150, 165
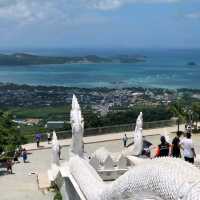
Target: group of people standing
20, 152
38, 138
174, 149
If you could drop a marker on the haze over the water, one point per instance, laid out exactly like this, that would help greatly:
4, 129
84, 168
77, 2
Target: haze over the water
100, 23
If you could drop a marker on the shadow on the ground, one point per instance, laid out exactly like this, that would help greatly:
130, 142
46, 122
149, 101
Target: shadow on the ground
4, 172
130, 144
27, 161
146, 144
40, 147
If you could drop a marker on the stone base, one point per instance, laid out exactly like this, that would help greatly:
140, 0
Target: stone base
110, 175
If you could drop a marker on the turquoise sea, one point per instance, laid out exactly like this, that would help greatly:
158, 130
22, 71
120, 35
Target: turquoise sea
166, 69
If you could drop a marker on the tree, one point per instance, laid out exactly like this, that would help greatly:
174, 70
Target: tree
196, 112
10, 136
178, 111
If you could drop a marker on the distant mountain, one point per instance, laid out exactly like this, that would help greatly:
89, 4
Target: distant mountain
29, 59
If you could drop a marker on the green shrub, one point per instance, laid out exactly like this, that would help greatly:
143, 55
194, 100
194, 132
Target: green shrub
57, 195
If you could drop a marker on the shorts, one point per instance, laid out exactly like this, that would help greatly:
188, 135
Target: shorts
190, 160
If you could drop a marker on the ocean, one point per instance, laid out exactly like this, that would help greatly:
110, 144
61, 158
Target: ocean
162, 69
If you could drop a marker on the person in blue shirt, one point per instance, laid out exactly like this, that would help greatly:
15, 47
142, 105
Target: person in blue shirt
24, 155
38, 138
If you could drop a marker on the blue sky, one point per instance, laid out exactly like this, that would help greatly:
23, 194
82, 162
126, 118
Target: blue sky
100, 23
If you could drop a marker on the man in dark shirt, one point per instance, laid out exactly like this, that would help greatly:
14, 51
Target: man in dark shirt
163, 148
176, 152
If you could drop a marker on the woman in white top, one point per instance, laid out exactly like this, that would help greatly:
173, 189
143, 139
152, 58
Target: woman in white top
188, 148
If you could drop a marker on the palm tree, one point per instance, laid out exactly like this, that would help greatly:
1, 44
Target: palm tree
178, 111
196, 112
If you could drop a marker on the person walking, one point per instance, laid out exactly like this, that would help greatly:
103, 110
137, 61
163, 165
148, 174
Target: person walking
16, 155
188, 148
176, 150
125, 139
24, 155
9, 166
49, 137
163, 149
38, 138
59, 152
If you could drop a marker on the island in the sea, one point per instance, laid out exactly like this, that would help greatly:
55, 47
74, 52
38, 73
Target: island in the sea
30, 59
192, 63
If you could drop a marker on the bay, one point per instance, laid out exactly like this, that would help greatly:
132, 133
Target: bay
162, 69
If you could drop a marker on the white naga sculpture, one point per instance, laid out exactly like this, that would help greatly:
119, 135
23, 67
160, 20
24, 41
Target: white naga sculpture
77, 124
138, 140
53, 172
55, 149
164, 178
102, 153
137, 148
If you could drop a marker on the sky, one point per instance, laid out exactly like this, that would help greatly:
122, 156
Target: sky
100, 23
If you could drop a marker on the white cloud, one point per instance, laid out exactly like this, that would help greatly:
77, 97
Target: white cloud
62, 11
22, 11
194, 15
104, 4
29, 11
113, 4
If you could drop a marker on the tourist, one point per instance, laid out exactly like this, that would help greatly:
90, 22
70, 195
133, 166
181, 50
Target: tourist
125, 139
9, 166
59, 152
16, 155
49, 137
185, 127
163, 148
24, 155
176, 151
38, 138
188, 148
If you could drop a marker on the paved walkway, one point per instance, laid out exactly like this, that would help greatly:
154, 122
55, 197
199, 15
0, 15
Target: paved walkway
104, 137
23, 185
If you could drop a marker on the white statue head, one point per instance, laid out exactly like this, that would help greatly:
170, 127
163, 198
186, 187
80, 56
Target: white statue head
75, 115
55, 149
139, 121
77, 125
75, 104
138, 139
54, 138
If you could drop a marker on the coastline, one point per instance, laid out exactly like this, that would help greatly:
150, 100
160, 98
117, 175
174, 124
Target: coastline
10, 84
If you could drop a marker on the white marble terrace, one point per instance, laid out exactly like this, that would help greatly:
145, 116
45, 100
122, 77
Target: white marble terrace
128, 176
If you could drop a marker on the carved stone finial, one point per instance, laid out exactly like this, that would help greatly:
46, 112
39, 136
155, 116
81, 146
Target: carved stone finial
55, 149
77, 124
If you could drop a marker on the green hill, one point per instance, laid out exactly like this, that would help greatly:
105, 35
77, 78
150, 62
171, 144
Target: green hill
28, 59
